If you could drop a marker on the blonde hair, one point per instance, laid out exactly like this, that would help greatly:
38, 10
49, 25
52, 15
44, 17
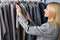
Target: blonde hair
54, 9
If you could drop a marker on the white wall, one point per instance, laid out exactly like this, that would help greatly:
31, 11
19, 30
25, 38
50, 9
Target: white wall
52, 1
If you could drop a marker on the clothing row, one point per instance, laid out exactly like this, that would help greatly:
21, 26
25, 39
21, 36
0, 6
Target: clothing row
8, 18
10, 27
36, 11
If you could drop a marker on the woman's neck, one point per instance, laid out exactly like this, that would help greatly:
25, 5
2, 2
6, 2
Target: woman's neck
52, 21
49, 20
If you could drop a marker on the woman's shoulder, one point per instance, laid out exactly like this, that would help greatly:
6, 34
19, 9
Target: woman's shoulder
47, 24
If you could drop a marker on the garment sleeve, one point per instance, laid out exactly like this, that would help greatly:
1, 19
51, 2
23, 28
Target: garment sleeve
33, 30
33, 24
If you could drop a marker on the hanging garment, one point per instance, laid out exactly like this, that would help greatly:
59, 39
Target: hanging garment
34, 13
4, 26
3, 29
13, 17
0, 26
8, 21
41, 9
30, 10
38, 14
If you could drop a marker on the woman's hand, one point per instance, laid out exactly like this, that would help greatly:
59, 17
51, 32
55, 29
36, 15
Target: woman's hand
19, 13
18, 10
28, 17
16, 1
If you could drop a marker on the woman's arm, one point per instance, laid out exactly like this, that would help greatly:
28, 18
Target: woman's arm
33, 30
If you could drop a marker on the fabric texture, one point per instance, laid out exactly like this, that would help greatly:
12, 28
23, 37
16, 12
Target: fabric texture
44, 32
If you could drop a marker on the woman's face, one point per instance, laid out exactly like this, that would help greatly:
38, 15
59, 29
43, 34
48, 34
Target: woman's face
46, 12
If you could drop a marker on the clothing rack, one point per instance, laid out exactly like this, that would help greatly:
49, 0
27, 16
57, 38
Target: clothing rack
19, 30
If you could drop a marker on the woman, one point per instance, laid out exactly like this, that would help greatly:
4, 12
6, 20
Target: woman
48, 30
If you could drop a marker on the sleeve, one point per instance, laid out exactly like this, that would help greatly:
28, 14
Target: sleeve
33, 24
33, 30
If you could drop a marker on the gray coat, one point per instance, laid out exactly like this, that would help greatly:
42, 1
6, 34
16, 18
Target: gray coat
44, 32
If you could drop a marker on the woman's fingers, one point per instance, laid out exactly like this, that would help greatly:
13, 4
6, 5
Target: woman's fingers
28, 16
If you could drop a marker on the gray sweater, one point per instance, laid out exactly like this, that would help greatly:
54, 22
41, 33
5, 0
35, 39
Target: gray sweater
44, 32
